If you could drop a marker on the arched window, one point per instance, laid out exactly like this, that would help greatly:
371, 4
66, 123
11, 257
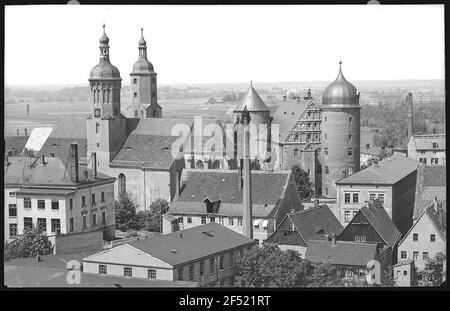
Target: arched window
122, 183
216, 165
199, 164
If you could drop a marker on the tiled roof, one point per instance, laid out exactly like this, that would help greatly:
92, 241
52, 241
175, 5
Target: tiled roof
431, 183
60, 147
425, 142
147, 151
15, 143
159, 126
434, 217
73, 127
286, 116
377, 216
251, 101
389, 171
268, 189
315, 223
342, 253
191, 244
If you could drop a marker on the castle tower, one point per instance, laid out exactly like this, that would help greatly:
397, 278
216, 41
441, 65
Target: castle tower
106, 126
340, 133
409, 104
144, 86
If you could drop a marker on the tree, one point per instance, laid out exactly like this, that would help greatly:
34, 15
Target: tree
151, 220
30, 244
304, 185
432, 274
126, 217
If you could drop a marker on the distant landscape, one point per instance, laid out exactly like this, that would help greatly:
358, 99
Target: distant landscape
383, 113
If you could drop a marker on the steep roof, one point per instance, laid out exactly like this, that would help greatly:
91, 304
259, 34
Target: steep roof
73, 127
159, 126
286, 116
268, 189
60, 147
191, 244
389, 171
315, 223
342, 253
425, 142
146, 151
15, 143
377, 216
431, 182
252, 101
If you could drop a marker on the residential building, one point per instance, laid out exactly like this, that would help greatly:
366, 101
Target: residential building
404, 273
298, 228
372, 224
204, 254
428, 149
57, 196
392, 181
427, 237
217, 196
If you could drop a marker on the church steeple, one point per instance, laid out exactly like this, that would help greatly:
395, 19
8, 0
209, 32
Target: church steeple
142, 46
104, 45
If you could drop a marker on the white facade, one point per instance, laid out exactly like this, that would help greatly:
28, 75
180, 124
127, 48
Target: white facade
10, 221
428, 149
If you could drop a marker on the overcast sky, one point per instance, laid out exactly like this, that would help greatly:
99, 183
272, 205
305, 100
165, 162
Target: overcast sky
221, 44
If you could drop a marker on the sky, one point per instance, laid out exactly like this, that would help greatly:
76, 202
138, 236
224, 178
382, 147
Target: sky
227, 44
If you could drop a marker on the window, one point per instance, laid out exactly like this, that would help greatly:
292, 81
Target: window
425, 256
27, 202
435, 145
423, 160
256, 223
347, 216
326, 151
122, 183
202, 268
432, 238
180, 274
71, 203
12, 210
102, 269
56, 226
127, 271
42, 224
27, 222
436, 161
403, 255
12, 194
135, 95
97, 112
350, 151
405, 272
239, 221
349, 136
350, 120
212, 219
415, 255
326, 190
347, 197
12, 230
153, 94
354, 213
327, 171
98, 145
93, 199
415, 237
180, 220
103, 197
295, 152
372, 196
326, 136
41, 204
71, 224
231, 258
189, 220
360, 238
84, 222
325, 119
94, 219
381, 197
222, 221
191, 272
103, 217
221, 262
97, 128
350, 170
55, 205
203, 220
231, 221
151, 273
134, 81
355, 197
83, 201
153, 80
211, 266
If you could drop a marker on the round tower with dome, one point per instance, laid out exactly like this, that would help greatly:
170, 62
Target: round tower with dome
340, 133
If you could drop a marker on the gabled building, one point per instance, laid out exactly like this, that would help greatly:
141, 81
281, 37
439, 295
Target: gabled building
204, 254
298, 228
428, 149
392, 181
372, 224
427, 237
217, 196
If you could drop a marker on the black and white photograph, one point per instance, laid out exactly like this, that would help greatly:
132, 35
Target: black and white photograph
224, 147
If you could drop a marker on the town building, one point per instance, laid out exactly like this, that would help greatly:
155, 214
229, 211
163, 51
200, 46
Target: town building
57, 196
351, 258
428, 149
404, 273
392, 181
372, 224
205, 254
298, 228
217, 196
427, 237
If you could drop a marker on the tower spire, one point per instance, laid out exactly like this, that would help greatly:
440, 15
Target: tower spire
104, 45
142, 46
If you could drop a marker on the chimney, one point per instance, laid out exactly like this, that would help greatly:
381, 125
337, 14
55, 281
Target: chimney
74, 163
43, 160
409, 103
316, 202
436, 205
333, 239
18, 134
94, 165
327, 237
247, 191
292, 210
26, 132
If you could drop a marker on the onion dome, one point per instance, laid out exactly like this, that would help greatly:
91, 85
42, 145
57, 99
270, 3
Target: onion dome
142, 65
340, 92
104, 70
251, 101
142, 40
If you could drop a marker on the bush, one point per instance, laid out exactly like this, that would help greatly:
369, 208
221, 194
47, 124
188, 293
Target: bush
126, 217
30, 244
151, 220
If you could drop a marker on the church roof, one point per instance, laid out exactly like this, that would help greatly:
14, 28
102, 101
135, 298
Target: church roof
104, 70
160, 126
252, 101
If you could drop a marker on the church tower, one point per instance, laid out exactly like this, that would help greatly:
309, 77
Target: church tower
106, 126
144, 86
340, 133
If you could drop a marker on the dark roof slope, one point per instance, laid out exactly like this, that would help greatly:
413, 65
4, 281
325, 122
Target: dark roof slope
191, 244
286, 116
315, 223
15, 143
73, 127
431, 183
389, 171
342, 253
159, 126
60, 147
434, 217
